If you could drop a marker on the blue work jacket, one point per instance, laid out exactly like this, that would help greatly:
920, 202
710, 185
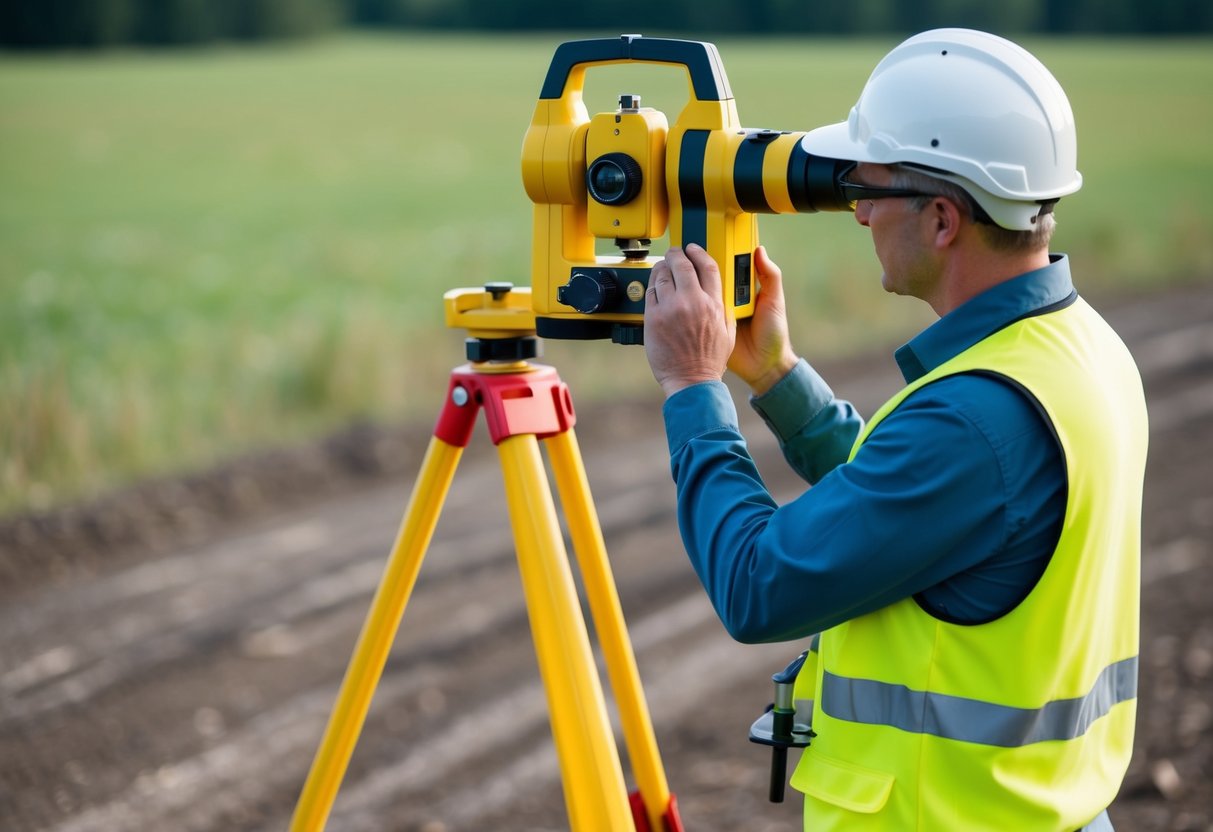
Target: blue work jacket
956, 499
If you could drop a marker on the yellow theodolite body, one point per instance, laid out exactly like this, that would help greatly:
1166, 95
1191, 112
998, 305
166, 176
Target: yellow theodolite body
626, 175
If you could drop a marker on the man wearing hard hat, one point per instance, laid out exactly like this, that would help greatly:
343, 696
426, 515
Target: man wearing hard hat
969, 556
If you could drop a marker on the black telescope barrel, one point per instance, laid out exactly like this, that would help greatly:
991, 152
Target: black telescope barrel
813, 182
748, 162
810, 184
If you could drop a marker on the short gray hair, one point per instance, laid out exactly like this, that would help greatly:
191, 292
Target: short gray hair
997, 237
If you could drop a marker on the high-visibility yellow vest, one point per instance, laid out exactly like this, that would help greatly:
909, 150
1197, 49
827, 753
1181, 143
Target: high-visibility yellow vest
1025, 722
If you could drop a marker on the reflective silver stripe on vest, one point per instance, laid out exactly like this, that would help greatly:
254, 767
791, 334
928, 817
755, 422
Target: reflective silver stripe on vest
971, 720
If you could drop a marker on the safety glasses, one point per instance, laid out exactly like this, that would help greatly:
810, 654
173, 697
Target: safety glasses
853, 191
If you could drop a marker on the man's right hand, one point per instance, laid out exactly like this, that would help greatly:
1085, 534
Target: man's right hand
763, 352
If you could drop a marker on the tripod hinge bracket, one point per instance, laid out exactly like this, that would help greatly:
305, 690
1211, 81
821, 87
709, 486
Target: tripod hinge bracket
534, 401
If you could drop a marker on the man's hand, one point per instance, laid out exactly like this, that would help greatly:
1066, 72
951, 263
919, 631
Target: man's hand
763, 354
687, 336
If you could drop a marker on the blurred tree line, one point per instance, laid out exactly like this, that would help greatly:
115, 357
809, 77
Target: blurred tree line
99, 23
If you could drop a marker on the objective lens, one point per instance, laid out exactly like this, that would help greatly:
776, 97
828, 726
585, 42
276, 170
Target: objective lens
614, 179
609, 182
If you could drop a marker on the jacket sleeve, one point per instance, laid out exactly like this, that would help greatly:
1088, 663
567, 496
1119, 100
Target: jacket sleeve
923, 500
814, 429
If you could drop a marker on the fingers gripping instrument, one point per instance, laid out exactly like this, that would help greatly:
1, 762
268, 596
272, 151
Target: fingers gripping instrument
628, 176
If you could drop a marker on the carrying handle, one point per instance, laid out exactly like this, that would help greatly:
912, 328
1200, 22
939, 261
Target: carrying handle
702, 62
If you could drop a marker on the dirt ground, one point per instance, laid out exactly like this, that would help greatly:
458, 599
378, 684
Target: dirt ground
169, 655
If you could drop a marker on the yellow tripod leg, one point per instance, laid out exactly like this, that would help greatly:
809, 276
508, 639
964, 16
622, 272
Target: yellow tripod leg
588, 544
375, 641
592, 775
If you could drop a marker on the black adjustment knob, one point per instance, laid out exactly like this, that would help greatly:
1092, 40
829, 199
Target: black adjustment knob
499, 288
589, 292
628, 334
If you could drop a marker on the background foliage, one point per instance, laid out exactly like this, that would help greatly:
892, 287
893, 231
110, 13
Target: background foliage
204, 251
97, 23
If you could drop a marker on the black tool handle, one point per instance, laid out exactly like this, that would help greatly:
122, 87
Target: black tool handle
779, 773
782, 722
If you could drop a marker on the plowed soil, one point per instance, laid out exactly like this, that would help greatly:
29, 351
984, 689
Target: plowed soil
169, 655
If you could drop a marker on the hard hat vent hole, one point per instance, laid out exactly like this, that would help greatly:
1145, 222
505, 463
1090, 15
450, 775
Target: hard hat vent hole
934, 142
944, 52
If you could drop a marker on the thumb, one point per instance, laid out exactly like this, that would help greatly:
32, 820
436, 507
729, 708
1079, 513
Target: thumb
770, 277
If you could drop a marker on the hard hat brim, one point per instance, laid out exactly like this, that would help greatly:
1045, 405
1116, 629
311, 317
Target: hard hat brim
834, 141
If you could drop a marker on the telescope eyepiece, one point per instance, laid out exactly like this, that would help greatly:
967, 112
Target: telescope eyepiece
815, 182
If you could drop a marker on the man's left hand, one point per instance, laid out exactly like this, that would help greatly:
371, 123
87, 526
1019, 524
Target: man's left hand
687, 337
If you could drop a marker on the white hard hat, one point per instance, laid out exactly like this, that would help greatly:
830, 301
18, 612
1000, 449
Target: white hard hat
976, 110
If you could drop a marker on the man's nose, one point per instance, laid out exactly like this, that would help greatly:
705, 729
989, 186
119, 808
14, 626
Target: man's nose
863, 212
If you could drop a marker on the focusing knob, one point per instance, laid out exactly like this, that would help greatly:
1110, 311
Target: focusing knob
589, 292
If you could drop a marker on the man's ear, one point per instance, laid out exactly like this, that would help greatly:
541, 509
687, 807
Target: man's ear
946, 219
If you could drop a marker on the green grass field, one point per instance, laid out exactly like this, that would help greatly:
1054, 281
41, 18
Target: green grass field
207, 251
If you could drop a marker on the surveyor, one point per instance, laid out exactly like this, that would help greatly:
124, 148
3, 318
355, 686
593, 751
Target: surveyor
965, 562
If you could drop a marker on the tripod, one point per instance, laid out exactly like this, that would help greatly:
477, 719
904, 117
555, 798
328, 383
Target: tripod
523, 404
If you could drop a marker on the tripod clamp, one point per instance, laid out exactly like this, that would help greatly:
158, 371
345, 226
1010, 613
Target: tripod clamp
778, 728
